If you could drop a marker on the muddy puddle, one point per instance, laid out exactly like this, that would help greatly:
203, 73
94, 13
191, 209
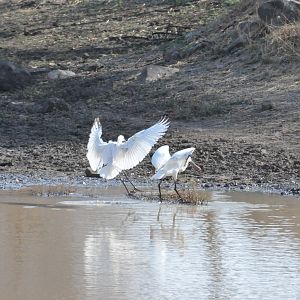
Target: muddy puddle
75, 243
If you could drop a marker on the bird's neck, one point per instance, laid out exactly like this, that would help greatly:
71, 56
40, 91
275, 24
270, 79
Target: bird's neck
187, 163
120, 139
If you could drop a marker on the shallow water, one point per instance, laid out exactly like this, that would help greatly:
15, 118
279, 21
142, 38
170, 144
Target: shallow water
97, 244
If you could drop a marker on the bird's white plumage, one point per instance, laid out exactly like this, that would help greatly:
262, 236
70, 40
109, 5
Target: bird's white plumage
183, 153
109, 171
109, 159
95, 144
160, 157
177, 163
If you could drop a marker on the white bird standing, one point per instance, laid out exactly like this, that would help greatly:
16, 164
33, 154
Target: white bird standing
110, 158
167, 165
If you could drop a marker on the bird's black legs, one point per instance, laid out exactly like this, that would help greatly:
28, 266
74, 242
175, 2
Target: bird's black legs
175, 189
125, 186
129, 193
134, 188
159, 190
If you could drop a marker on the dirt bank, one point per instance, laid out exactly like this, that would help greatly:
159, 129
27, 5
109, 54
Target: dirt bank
238, 109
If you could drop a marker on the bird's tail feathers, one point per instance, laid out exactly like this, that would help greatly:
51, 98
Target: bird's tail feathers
158, 175
109, 171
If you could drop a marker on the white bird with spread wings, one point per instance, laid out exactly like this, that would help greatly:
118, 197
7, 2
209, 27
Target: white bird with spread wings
111, 158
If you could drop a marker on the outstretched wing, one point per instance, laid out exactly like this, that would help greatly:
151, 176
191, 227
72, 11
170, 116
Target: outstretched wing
139, 145
97, 148
160, 157
184, 153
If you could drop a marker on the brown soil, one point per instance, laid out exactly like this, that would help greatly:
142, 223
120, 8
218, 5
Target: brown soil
240, 110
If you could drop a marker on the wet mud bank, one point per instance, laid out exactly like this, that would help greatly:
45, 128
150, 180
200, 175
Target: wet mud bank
62, 184
238, 108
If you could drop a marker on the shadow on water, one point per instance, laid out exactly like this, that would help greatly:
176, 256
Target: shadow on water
91, 243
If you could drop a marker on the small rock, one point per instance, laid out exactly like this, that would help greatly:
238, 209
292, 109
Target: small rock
60, 74
90, 173
267, 105
13, 76
155, 72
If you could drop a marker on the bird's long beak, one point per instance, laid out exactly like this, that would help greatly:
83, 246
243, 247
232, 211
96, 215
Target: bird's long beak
196, 167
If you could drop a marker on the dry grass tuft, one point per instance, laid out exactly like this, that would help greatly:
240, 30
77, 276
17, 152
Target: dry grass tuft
283, 41
47, 191
190, 195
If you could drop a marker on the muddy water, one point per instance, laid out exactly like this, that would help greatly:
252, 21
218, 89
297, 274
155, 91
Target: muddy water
95, 244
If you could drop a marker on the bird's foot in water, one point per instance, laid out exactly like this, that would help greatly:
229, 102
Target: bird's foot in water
132, 194
180, 200
135, 190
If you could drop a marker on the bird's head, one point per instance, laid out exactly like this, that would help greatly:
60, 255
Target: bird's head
197, 168
121, 139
